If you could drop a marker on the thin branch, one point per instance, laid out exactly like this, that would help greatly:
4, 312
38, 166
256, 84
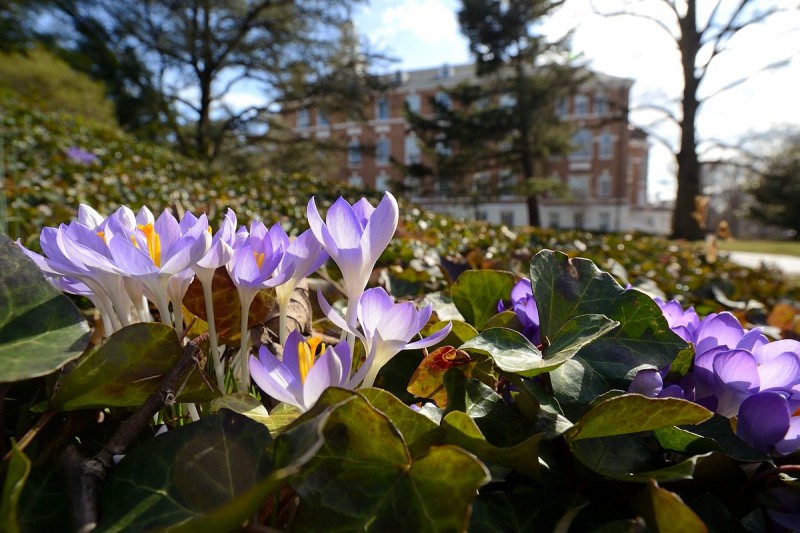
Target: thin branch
737, 82
658, 22
86, 476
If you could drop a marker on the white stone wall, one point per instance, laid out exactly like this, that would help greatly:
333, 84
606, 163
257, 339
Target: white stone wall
599, 218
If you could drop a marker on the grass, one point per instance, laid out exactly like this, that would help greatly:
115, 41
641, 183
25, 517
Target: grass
762, 247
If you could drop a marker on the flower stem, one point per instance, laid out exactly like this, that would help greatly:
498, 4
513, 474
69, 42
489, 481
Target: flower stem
244, 384
193, 414
352, 321
219, 366
177, 310
163, 308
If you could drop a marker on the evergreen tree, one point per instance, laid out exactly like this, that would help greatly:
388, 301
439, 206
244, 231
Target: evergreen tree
507, 118
776, 192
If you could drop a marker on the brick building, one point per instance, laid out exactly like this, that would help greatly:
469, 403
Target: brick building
606, 174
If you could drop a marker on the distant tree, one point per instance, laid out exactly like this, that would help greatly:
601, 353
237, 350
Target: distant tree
226, 65
90, 46
776, 191
16, 24
700, 39
508, 117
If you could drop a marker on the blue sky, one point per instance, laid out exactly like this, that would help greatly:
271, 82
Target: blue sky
424, 33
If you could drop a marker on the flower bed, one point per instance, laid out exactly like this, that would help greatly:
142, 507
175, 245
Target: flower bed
560, 401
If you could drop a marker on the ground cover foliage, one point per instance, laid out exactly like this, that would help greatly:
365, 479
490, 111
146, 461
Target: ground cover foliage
494, 428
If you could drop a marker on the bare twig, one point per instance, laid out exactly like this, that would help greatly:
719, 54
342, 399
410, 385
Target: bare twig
86, 476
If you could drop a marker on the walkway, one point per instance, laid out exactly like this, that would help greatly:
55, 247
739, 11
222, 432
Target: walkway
789, 264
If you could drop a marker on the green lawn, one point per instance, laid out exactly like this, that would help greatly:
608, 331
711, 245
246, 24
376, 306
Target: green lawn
763, 247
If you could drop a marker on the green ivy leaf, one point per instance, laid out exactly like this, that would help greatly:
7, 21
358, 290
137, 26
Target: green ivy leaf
42, 505
281, 415
509, 349
417, 430
363, 477
476, 292
684, 441
565, 288
549, 418
19, 467
500, 512
125, 369
462, 431
720, 431
617, 457
665, 512
40, 328
501, 425
633, 413
188, 472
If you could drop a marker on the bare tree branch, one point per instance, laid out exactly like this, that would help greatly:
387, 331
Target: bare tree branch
743, 79
86, 476
658, 22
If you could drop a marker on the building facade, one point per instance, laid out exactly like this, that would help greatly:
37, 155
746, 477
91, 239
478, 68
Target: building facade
606, 174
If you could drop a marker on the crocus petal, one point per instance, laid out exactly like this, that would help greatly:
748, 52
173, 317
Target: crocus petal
771, 350
781, 372
372, 307
290, 354
185, 253
434, 338
791, 441
89, 217
343, 224
326, 372
243, 268
647, 382
380, 229
342, 351
763, 420
738, 379
273, 378
752, 340
363, 210
145, 216
723, 329
335, 317
521, 290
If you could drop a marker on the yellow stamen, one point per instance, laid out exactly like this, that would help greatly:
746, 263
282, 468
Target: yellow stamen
153, 242
102, 235
307, 354
259, 258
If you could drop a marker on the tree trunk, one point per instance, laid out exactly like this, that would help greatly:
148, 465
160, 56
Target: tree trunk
688, 220
526, 156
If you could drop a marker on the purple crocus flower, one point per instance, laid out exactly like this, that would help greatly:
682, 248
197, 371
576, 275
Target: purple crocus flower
684, 322
303, 374
80, 252
154, 252
767, 423
219, 254
355, 236
650, 382
725, 377
300, 257
252, 268
386, 327
80, 156
524, 306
